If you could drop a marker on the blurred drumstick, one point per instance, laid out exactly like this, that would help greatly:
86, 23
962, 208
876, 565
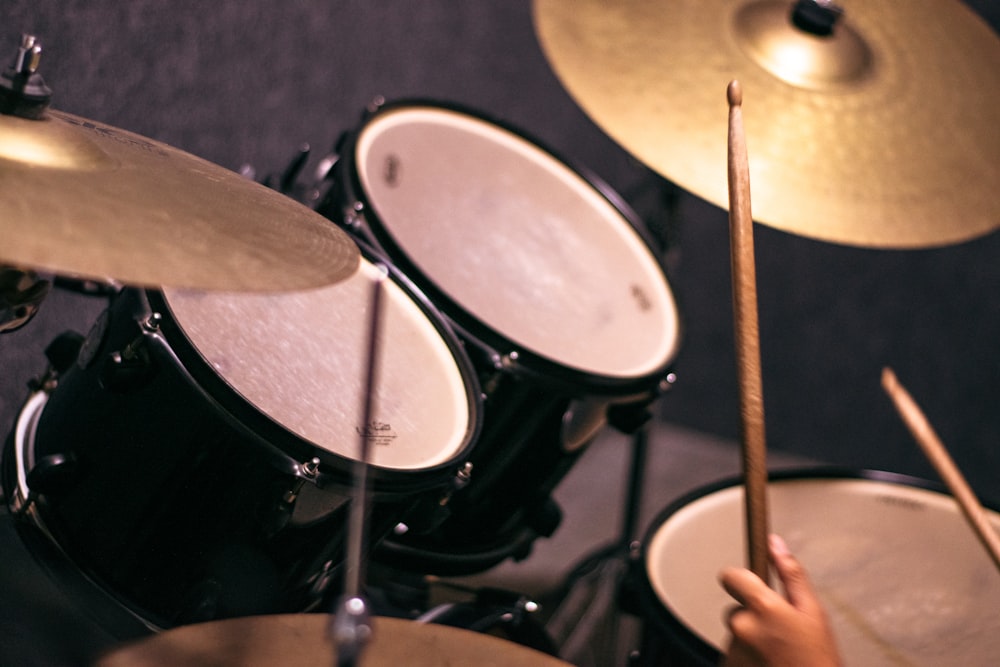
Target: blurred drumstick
747, 336
935, 450
350, 625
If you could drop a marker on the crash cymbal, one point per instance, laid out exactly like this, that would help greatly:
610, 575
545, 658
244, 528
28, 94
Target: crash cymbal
92, 201
300, 639
881, 134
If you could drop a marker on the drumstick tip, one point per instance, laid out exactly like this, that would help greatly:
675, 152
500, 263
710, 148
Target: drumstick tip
734, 93
889, 380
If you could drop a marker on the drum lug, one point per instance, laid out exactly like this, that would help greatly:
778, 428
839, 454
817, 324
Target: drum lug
321, 580
502, 365
310, 470
508, 360
667, 383
354, 217
429, 513
132, 367
374, 105
285, 506
463, 477
61, 353
53, 475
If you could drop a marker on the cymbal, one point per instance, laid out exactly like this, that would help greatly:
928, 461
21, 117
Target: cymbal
882, 134
92, 201
300, 639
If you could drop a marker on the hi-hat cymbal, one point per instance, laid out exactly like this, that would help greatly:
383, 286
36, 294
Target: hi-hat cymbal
96, 202
882, 134
300, 639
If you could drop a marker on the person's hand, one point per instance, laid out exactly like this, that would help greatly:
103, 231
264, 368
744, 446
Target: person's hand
776, 631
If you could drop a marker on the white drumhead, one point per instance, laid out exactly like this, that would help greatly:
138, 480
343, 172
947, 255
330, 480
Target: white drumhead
518, 240
301, 359
898, 569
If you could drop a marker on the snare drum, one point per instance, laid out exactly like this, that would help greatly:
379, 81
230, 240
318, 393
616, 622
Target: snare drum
197, 461
560, 301
897, 568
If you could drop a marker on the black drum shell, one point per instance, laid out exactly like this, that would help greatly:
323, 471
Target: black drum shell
531, 402
185, 503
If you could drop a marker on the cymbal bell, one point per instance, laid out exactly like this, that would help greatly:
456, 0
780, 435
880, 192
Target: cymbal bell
881, 134
300, 639
91, 201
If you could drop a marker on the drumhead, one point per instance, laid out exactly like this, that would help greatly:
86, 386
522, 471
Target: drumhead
517, 240
301, 359
898, 569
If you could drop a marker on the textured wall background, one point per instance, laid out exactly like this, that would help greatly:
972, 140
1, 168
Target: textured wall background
248, 82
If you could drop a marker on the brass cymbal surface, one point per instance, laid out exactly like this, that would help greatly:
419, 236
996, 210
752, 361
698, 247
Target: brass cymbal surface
881, 134
88, 200
300, 639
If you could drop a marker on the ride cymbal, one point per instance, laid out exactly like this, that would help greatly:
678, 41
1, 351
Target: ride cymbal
300, 639
880, 134
92, 201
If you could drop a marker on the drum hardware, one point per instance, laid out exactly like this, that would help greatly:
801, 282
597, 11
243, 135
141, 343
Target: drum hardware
21, 294
493, 611
427, 514
23, 92
817, 17
604, 583
132, 367
286, 506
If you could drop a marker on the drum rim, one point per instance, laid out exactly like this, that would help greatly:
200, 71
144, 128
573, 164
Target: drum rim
243, 415
491, 342
681, 636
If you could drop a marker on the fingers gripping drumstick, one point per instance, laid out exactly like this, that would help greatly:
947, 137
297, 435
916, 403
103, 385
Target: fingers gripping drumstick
747, 338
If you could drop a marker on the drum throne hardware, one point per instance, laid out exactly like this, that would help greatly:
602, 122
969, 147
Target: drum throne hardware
546, 277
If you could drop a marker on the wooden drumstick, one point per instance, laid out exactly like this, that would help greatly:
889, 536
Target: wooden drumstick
747, 336
938, 455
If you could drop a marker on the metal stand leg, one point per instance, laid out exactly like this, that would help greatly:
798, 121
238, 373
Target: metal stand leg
589, 614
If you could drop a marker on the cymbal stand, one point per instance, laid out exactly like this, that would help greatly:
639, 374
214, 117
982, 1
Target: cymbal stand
592, 595
350, 625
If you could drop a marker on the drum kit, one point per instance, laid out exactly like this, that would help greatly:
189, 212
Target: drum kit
429, 344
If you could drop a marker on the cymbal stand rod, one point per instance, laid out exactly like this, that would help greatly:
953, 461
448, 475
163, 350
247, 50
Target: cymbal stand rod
351, 623
633, 501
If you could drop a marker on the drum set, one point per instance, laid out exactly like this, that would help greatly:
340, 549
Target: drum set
195, 457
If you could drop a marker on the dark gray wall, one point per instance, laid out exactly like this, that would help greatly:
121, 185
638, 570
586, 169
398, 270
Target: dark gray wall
248, 82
